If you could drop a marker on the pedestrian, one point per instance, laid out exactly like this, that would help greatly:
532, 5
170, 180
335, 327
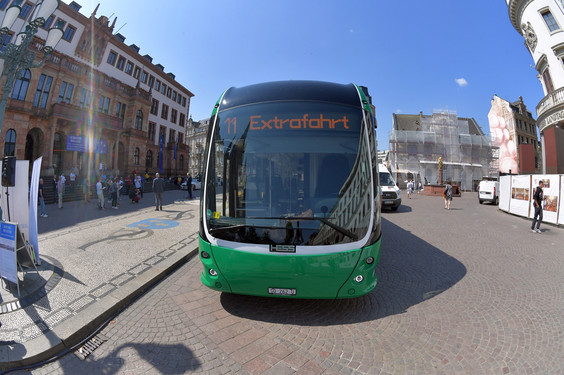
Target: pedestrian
189, 185
55, 195
60, 189
409, 188
139, 184
114, 193
447, 194
419, 187
42, 199
100, 194
158, 189
538, 197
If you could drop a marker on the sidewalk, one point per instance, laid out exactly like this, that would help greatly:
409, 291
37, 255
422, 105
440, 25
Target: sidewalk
94, 262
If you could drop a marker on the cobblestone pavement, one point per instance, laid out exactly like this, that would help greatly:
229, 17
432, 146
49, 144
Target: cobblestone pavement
465, 291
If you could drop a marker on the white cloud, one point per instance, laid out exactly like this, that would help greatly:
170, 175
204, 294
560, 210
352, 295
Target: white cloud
461, 82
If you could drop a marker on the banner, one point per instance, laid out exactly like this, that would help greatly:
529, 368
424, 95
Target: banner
551, 192
161, 141
8, 260
520, 195
16, 198
33, 195
504, 192
561, 210
82, 144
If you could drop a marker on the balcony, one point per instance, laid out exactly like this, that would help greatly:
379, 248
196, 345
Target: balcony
79, 114
550, 109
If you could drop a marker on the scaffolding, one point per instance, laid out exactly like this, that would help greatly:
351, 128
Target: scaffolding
466, 157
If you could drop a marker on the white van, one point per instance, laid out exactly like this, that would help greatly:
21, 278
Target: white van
391, 195
488, 191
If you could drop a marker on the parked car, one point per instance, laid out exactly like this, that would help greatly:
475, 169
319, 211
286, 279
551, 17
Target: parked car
391, 196
488, 191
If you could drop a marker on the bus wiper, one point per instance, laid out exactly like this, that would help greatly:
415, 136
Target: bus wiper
230, 228
338, 228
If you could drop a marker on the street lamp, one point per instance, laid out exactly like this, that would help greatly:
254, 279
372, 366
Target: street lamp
16, 56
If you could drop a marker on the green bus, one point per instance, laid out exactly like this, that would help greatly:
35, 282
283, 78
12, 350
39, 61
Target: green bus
290, 203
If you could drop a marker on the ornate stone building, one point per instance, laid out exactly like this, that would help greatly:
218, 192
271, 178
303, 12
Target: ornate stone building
96, 103
541, 23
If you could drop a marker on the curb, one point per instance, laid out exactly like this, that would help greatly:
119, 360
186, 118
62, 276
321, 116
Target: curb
73, 330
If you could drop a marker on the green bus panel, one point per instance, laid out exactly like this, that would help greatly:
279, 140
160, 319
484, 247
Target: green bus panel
326, 276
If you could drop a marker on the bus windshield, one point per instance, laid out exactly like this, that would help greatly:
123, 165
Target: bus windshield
288, 173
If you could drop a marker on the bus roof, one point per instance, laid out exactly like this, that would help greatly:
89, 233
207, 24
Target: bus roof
291, 90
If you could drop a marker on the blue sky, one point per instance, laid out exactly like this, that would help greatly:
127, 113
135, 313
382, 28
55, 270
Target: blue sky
412, 55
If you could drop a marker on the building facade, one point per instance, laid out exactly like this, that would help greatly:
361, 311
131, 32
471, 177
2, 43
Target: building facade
541, 23
417, 142
96, 104
513, 130
196, 134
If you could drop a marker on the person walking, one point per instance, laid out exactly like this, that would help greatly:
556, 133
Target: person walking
158, 189
189, 185
60, 189
409, 189
42, 199
448, 195
538, 197
100, 194
55, 195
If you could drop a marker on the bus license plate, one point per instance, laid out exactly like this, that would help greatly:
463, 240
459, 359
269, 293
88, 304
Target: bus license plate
282, 291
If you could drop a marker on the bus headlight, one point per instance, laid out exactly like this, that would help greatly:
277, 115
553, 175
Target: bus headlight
213, 272
358, 278
205, 254
369, 260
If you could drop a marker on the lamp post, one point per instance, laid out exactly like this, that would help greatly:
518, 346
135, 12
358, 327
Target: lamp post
16, 56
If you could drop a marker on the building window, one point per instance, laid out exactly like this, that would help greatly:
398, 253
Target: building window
183, 101
22, 84
69, 33
136, 156
151, 132
26, 8
180, 138
179, 100
112, 56
4, 4
144, 77
158, 85
182, 119
42, 92
173, 115
136, 72
547, 81
550, 21
171, 136
120, 110
10, 144
65, 93
151, 81
164, 112
129, 67
149, 159
139, 120
104, 104
181, 161
85, 98
48, 22
163, 89
168, 92
174, 93
155, 107
121, 63
5, 40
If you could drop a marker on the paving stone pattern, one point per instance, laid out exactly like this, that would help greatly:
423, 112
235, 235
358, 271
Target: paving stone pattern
465, 291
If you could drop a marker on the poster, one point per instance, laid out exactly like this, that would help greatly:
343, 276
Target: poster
520, 195
8, 261
551, 193
15, 199
504, 192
